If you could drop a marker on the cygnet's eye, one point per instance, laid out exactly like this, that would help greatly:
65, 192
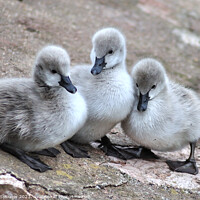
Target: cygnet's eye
110, 52
153, 87
136, 85
54, 71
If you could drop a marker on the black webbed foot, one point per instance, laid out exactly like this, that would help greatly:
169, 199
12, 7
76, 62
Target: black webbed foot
71, 148
51, 152
147, 154
112, 150
188, 166
32, 162
125, 153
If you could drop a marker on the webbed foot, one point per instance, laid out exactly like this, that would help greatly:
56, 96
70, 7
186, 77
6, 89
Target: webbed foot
147, 154
188, 166
51, 152
34, 163
125, 153
71, 148
112, 150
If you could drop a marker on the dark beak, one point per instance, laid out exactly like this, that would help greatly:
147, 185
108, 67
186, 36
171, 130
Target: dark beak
143, 102
98, 66
67, 84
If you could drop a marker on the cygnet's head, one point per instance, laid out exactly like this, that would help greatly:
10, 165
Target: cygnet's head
109, 50
150, 79
52, 68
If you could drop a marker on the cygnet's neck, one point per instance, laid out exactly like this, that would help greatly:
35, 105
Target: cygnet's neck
165, 93
47, 92
115, 69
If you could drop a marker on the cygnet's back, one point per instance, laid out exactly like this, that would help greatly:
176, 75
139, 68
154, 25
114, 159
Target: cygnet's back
165, 115
106, 86
41, 113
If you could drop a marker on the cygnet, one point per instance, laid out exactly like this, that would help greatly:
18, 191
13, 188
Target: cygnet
40, 112
165, 115
106, 86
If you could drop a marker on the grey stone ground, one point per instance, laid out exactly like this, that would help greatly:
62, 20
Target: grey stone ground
166, 30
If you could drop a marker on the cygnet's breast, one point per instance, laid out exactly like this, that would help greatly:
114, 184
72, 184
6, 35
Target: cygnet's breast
109, 102
154, 130
112, 100
59, 123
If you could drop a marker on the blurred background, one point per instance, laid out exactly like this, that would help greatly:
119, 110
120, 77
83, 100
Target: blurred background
166, 30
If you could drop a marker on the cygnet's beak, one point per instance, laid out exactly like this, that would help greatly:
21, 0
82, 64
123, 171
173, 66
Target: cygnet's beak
98, 65
67, 84
143, 102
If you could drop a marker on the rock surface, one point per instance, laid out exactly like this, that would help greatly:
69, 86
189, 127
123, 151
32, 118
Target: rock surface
166, 30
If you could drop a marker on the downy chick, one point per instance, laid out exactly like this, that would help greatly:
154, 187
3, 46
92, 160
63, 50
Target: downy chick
40, 112
106, 86
165, 115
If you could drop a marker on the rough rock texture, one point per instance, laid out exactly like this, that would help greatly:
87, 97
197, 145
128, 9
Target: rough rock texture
157, 171
12, 188
166, 30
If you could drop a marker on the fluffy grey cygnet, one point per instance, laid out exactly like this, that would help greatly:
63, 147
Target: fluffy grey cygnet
165, 115
42, 112
106, 85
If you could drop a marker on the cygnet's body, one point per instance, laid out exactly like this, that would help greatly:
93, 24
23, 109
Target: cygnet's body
41, 113
108, 90
165, 115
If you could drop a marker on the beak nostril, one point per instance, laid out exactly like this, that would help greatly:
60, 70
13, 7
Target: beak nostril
143, 102
99, 65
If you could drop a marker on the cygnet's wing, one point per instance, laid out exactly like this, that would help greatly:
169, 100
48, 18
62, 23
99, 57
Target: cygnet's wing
15, 106
185, 96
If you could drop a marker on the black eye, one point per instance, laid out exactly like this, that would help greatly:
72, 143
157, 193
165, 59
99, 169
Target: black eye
153, 87
136, 85
110, 52
54, 71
